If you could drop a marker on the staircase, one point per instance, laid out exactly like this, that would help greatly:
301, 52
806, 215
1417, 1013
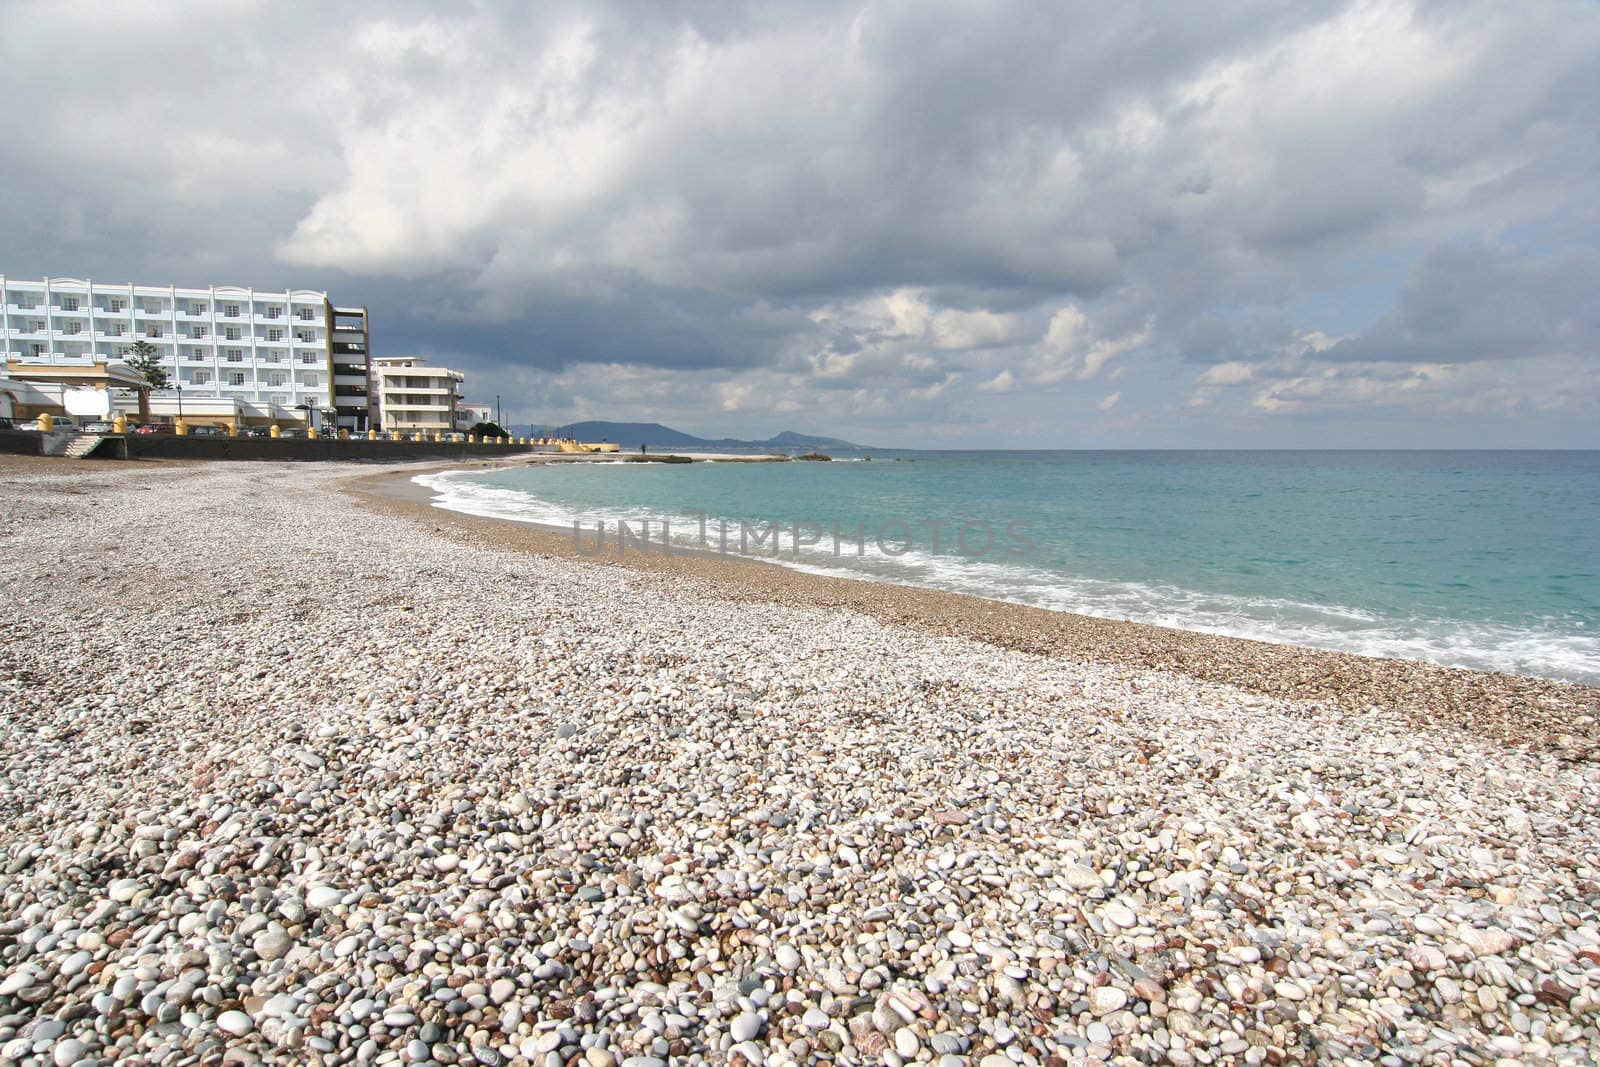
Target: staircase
72, 445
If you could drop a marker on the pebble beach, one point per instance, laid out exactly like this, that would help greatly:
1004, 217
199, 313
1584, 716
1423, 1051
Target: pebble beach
291, 777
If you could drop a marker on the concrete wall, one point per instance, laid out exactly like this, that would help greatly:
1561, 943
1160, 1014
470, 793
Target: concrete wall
20, 442
171, 446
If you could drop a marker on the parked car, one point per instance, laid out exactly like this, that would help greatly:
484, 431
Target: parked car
258, 431
5, 422
99, 426
292, 431
62, 422
206, 431
151, 427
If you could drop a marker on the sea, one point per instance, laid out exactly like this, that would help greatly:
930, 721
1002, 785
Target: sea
1480, 559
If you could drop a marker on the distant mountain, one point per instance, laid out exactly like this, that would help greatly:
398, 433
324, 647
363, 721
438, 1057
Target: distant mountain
634, 434
629, 434
790, 439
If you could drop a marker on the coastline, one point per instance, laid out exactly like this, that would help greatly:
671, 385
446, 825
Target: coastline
1559, 717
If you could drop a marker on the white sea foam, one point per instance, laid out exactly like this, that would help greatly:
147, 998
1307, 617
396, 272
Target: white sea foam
1551, 652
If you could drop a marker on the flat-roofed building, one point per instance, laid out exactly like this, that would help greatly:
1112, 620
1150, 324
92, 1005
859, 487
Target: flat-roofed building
414, 397
278, 356
469, 414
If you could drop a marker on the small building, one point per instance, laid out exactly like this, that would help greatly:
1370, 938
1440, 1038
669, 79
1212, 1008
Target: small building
414, 397
469, 414
93, 390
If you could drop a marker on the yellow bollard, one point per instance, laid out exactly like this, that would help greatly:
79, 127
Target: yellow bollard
344, 435
311, 433
47, 422
119, 424
181, 428
275, 432
437, 437
471, 440
372, 435
233, 429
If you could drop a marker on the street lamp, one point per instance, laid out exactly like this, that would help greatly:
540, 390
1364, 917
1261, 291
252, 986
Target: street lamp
177, 387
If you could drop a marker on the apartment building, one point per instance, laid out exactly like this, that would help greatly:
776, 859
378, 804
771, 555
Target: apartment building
414, 397
241, 354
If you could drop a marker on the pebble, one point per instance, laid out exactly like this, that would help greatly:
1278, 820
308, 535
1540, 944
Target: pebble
1107, 999
745, 1027
319, 897
236, 1023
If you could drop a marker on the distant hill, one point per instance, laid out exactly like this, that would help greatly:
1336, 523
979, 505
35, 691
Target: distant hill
634, 434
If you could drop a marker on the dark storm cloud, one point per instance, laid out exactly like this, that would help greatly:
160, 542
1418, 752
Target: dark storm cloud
1481, 302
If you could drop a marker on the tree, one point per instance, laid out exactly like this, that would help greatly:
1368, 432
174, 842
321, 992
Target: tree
143, 357
487, 429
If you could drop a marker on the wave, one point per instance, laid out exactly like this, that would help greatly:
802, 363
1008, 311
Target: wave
1545, 652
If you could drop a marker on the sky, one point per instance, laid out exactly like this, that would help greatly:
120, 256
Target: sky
1239, 224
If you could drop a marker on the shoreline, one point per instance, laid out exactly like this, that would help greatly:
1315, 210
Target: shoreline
1555, 716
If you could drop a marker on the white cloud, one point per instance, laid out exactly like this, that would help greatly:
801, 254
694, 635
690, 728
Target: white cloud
1071, 348
1109, 403
1233, 372
1004, 382
959, 330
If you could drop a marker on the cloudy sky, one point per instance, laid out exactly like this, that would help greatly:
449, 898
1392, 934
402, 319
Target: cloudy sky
1241, 223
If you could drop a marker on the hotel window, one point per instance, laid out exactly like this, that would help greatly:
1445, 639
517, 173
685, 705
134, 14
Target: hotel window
152, 331
152, 307
202, 377
271, 357
274, 312
274, 335
38, 349
308, 314
233, 333
236, 377
198, 331
304, 335
72, 328
116, 303
197, 309
69, 303
235, 355
277, 381
308, 357
117, 329
201, 353
231, 311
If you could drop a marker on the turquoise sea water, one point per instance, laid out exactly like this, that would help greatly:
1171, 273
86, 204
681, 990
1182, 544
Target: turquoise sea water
1478, 559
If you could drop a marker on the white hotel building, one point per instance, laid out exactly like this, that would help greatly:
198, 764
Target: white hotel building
241, 355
